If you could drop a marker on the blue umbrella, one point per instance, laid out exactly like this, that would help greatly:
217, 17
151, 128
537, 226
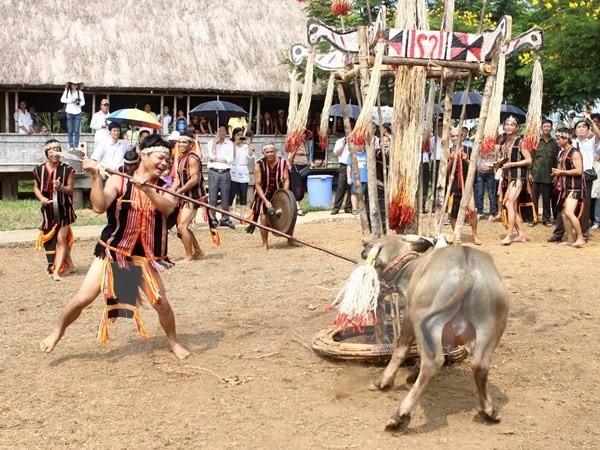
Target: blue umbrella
473, 101
510, 110
218, 109
353, 111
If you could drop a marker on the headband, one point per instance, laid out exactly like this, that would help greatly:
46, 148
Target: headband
52, 145
158, 148
266, 146
132, 161
512, 119
183, 137
563, 134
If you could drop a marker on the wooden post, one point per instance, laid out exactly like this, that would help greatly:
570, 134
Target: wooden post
258, 129
470, 181
93, 105
363, 51
187, 109
6, 112
250, 112
354, 166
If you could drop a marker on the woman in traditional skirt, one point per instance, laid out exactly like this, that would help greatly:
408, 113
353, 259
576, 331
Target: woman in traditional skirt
298, 160
572, 187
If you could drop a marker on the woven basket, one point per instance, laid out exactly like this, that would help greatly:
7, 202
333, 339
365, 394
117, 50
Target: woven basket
330, 343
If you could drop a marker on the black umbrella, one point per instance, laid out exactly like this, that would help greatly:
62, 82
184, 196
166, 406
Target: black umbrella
353, 111
219, 109
510, 110
473, 101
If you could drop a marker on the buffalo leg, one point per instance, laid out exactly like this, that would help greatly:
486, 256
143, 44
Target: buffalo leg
407, 336
480, 364
430, 365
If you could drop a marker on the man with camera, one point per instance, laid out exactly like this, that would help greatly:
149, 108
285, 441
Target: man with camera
220, 157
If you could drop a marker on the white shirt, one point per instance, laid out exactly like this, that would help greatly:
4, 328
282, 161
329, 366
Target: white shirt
343, 157
110, 154
99, 125
69, 99
239, 166
166, 121
23, 120
224, 151
588, 148
438, 147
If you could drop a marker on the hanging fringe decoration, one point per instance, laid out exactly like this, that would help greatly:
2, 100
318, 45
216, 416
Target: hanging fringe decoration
407, 123
293, 104
341, 7
324, 125
534, 112
297, 127
363, 130
490, 132
356, 301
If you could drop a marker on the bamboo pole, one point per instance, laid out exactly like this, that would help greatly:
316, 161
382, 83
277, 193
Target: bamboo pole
482, 68
469, 183
354, 162
363, 49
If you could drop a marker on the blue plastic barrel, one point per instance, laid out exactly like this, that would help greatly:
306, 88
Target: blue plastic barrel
319, 190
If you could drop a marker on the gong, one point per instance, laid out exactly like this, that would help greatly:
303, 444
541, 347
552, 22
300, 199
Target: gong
283, 213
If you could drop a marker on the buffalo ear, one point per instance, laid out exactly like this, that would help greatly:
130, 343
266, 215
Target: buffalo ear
366, 251
421, 245
378, 263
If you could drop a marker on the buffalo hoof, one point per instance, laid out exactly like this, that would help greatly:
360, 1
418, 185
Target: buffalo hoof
380, 386
397, 422
490, 418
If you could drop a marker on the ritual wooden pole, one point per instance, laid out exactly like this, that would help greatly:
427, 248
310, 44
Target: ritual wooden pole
364, 224
384, 161
363, 50
470, 181
422, 188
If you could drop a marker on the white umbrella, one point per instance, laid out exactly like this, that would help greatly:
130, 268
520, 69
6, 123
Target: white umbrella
387, 112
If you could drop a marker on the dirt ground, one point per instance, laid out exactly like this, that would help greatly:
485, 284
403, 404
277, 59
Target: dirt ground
248, 318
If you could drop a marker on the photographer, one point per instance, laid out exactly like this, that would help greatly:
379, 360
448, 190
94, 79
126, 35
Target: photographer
74, 100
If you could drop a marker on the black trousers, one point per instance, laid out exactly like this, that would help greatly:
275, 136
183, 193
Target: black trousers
425, 179
342, 188
546, 190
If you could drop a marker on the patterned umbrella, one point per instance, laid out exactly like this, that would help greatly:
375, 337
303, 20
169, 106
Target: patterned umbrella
134, 116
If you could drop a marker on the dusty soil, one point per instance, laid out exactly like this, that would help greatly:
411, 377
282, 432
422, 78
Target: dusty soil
248, 318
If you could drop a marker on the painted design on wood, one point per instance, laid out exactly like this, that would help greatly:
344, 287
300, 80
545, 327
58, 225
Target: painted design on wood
532, 39
330, 61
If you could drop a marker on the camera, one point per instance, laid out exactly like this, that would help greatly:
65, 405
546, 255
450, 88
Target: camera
77, 101
243, 138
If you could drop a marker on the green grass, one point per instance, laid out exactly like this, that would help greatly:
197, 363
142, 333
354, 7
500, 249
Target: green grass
307, 208
25, 214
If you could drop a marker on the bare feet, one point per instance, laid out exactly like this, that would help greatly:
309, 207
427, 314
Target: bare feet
69, 269
186, 259
265, 246
56, 277
520, 239
566, 243
506, 241
578, 244
294, 243
198, 253
48, 344
179, 351
477, 241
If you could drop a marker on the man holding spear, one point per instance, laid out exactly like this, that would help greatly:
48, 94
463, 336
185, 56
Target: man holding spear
129, 247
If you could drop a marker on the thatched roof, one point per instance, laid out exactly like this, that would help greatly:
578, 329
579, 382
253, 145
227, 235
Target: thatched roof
207, 45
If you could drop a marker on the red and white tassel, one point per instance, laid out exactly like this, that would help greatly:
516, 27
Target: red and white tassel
534, 112
341, 7
297, 127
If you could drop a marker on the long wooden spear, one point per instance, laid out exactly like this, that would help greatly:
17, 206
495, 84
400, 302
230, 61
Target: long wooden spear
219, 210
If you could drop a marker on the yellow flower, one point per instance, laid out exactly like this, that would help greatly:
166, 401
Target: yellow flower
573, 5
535, 2
548, 5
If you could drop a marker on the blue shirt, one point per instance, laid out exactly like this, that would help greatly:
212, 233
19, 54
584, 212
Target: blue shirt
362, 166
